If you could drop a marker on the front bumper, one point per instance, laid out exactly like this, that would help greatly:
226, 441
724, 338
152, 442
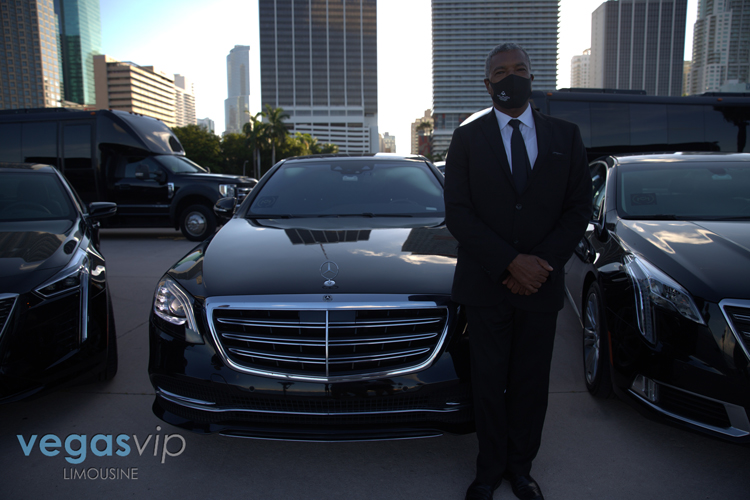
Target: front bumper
196, 391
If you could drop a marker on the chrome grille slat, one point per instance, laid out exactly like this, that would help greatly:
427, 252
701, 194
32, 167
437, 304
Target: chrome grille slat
322, 342
7, 301
737, 314
342, 342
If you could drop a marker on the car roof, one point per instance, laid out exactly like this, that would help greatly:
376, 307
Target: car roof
38, 167
368, 156
685, 157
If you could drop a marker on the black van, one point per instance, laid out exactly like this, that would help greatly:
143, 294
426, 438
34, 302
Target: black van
132, 160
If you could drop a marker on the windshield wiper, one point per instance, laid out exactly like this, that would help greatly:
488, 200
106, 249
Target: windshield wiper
277, 216
366, 214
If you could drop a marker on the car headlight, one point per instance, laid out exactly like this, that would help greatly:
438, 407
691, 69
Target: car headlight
175, 306
653, 288
227, 190
71, 278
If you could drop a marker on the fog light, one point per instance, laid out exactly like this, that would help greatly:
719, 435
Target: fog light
645, 387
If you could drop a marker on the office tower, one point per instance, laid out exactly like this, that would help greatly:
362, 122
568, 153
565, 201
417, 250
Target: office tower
721, 46
184, 101
318, 61
639, 45
579, 70
138, 89
237, 103
80, 41
421, 133
464, 32
389, 143
207, 123
30, 75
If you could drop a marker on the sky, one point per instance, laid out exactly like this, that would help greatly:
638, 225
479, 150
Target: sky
193, 38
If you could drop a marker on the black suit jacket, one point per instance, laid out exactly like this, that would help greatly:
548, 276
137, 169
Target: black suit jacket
493, 223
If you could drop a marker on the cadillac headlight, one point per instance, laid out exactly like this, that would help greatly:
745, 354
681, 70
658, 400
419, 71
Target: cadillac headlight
653, 288
71, 278
175, 306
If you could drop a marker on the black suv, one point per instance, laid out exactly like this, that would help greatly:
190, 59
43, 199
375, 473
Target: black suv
121, 157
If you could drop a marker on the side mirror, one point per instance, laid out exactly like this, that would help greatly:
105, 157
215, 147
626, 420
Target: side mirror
102, 209
224, 207
141, 172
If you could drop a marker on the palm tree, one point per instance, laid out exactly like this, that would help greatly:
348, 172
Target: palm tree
257, 134
276, 131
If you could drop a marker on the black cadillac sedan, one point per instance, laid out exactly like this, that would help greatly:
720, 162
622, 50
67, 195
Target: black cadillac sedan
56, 323
320, 311
662, 283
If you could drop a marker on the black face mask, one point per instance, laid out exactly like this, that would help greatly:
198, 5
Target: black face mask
512, 91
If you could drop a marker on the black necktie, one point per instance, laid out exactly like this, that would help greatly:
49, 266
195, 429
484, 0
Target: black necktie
520, 160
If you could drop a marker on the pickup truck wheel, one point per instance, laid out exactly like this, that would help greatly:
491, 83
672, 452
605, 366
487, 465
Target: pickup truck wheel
197, 222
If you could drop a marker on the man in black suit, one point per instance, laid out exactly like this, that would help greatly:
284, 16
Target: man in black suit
518, 199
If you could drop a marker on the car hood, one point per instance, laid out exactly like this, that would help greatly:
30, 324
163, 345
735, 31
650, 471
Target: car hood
710, 259
229, 179
33, 251
376, 256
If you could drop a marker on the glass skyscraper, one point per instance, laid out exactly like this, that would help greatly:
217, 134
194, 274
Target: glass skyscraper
464, 32
80, 41
639, 45
29, 55
318, 61
721, 46
237, 103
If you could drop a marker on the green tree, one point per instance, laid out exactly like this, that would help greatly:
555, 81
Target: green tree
238, 157
276, 132
201, 146
256, 137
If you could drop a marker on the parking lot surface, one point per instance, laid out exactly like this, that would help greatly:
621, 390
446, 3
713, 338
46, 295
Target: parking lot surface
591, 449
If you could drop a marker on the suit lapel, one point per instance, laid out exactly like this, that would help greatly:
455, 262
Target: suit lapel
543, 143
491, 131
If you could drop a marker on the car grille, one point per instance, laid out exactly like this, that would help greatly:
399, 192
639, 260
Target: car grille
737, 314
693, 407
329, 344
6, 306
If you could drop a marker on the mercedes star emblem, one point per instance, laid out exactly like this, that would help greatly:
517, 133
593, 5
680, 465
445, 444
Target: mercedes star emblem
329, 270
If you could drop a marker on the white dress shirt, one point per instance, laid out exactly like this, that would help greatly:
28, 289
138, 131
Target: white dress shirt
528, 132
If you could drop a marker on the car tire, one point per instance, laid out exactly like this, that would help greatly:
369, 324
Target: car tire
596, 365
197, 222
110, 370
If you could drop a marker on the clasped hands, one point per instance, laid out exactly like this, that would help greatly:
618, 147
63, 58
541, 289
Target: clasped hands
527, 273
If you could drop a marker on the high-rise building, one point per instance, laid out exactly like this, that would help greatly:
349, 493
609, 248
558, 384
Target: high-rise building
80, 41
184, 101
721, 45
389, 143
237, 103
30, 74
639, 45
207, 123
318, 61
579, 70
138, 89
464, 32
421, 128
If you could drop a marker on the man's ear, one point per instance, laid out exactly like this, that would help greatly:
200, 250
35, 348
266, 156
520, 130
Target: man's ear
488, 86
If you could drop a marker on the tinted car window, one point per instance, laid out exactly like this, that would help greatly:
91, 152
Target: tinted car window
695, 191
350, 187
180, 165
33, 196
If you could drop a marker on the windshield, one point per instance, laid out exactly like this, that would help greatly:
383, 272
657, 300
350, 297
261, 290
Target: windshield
181, 165
684, 191
33, 196
350, 187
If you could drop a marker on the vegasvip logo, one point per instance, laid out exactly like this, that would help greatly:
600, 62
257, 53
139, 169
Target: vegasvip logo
77, 447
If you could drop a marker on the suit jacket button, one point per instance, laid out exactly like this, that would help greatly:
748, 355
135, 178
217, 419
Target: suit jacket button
518, 207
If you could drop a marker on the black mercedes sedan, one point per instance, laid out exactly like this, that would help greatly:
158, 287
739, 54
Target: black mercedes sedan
56, 323
662, 284
320, 311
